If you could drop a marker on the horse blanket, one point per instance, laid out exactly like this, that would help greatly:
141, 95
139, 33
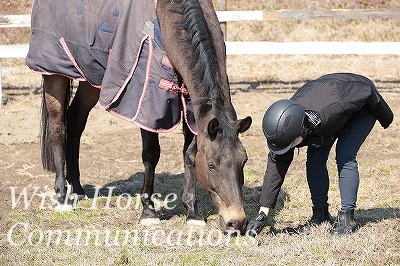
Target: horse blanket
115, 45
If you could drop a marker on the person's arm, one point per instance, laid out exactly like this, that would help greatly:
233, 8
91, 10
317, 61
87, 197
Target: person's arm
277, 167
380, 108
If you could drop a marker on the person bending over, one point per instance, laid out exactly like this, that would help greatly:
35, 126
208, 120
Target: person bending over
341, 107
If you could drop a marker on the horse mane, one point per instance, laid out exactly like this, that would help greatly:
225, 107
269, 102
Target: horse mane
204, 60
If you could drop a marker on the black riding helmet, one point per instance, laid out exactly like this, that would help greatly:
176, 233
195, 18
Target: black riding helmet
282, 124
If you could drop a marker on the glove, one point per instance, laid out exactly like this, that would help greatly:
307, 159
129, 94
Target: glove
255, 225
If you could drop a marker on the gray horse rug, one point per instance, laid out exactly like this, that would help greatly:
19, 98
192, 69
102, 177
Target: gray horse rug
115, 45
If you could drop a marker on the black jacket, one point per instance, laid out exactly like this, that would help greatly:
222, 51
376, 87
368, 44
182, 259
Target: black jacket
339, 99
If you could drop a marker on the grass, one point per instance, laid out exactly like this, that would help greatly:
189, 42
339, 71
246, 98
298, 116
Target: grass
376, 243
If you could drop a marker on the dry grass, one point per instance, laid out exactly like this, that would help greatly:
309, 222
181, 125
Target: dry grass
257, 81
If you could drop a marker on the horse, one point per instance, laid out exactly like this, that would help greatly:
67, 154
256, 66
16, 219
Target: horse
214, 156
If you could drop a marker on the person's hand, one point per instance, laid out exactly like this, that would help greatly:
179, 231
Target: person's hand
255, 225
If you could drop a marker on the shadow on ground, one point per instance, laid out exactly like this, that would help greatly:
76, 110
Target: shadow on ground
165, 184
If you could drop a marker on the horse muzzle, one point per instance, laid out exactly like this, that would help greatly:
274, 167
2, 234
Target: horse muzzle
233, 226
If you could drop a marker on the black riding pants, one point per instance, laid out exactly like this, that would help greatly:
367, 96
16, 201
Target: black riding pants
347, 147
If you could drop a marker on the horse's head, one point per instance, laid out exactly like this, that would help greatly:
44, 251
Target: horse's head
195, 45
219, 164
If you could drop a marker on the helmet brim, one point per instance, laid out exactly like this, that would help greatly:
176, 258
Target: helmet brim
283, 150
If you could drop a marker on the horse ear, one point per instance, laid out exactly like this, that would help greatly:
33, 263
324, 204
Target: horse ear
213, 127
243, 124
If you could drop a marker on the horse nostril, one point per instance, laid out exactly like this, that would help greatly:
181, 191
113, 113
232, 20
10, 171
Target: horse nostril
230, 226
233, 226
236, 227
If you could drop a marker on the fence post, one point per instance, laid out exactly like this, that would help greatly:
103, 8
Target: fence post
1, 90
221, 6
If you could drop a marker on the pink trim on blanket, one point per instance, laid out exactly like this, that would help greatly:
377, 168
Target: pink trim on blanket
128, 78
185, 110
165, 61
71, 57
173, 87
169, 85
141, 125
45, 73
146, 81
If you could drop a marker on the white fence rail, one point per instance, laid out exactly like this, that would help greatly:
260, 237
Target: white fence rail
20, 50
313, 48
256, 48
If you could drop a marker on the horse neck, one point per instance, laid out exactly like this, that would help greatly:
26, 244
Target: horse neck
217, 38
184, 56
206, 109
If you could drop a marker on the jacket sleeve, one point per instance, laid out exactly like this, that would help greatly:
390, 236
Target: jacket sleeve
379, 107
277, 167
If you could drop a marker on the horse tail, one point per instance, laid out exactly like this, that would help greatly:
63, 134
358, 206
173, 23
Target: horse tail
46, 147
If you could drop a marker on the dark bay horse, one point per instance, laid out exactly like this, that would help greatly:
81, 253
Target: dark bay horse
214, 158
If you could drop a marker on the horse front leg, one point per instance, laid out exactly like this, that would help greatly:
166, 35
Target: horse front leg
84, 100
54, 106
189, 182
150, 157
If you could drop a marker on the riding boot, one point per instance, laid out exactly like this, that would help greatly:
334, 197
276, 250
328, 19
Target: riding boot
320, 215
345, 223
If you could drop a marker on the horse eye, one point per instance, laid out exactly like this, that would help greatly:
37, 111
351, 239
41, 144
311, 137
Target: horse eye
211, 166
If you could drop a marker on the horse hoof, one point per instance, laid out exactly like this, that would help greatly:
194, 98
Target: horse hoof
200, 223
149, 221
63, 208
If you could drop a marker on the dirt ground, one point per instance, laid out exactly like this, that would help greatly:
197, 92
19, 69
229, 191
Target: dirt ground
111, 147
111, 156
